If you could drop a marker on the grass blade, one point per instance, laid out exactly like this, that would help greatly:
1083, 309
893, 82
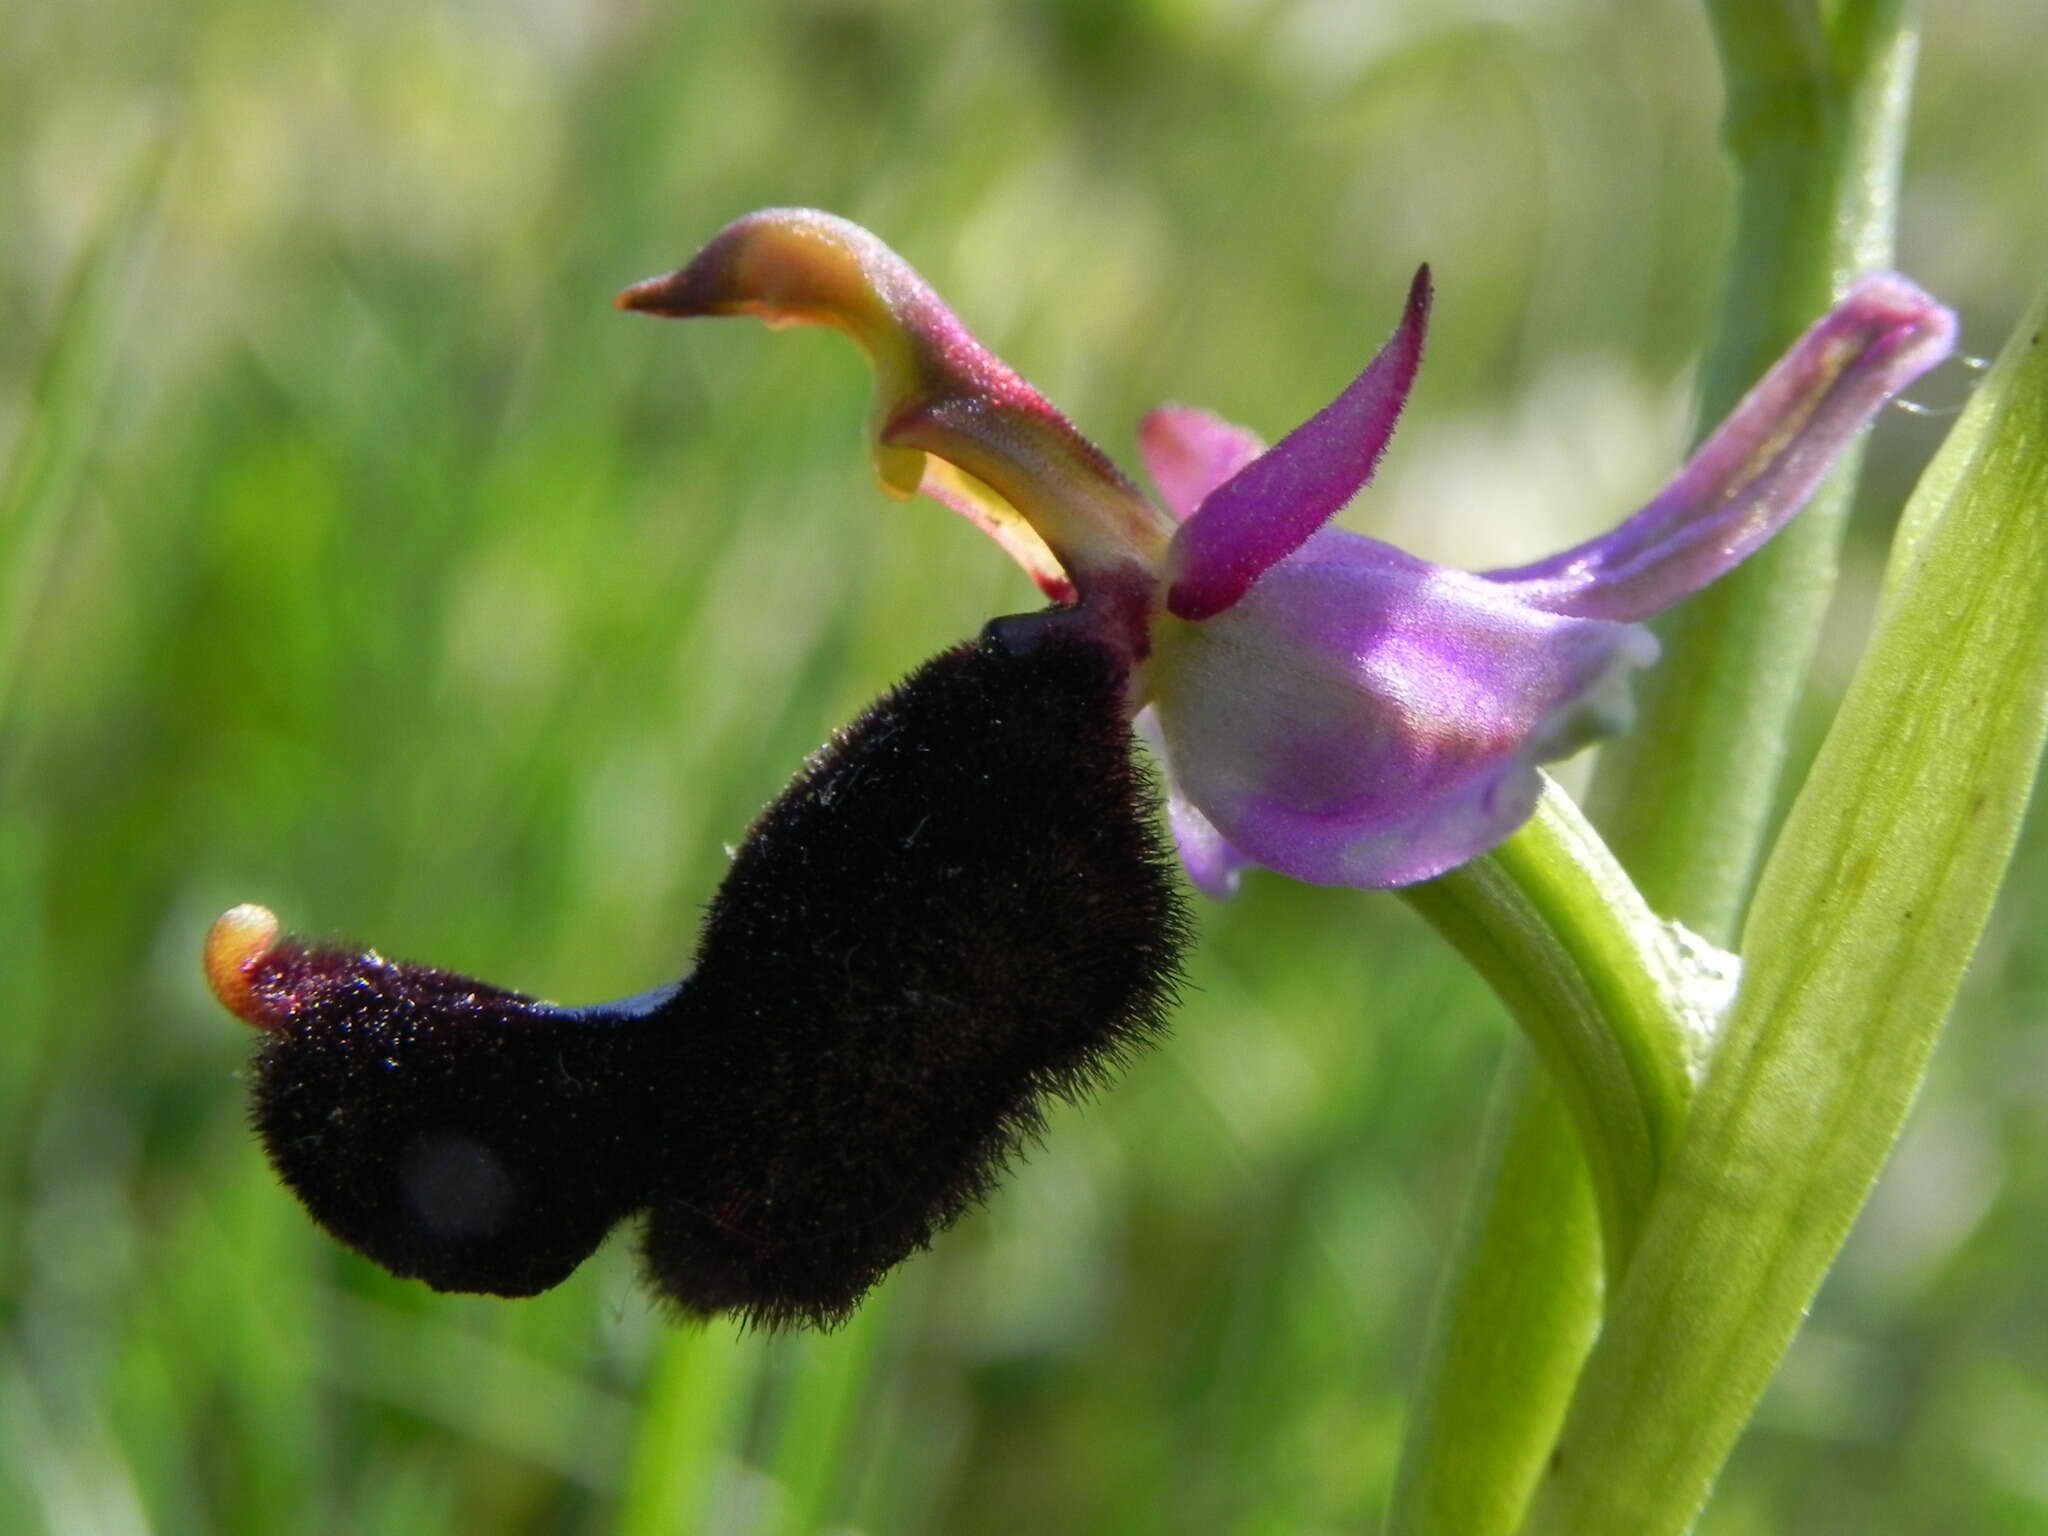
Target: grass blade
44, 472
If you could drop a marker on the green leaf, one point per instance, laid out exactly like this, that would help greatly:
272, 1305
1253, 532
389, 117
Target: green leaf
1503, 1352
1869, 908
1815, 125
818, 1445
700, 1381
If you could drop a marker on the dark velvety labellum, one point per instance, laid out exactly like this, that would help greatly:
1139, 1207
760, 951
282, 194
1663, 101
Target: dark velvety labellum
961, 905
453, 1132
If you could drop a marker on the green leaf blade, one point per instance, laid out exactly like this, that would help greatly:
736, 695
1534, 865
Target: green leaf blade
1869, 909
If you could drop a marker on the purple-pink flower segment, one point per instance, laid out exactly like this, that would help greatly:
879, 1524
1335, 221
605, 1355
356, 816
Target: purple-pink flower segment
1325, 705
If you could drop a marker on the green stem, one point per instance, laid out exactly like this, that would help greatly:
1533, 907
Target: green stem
700, 1381
1815, 127
1618, 1010
1492, 1398
1870, 906
823, 1427
1598, 987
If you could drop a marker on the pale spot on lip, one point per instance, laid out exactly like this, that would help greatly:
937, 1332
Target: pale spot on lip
456, 1186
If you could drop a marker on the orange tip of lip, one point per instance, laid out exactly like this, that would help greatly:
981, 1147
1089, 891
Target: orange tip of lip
239, 938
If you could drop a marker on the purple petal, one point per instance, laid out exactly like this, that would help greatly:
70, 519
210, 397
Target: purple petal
1268, 509
1190, 452
1364, 718
1213, 866
1759, 467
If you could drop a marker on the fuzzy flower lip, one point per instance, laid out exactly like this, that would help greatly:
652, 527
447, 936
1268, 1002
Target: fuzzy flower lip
959, 911
1326, 706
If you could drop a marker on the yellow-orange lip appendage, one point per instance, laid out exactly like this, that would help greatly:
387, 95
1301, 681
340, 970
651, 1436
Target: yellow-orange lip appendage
239, 938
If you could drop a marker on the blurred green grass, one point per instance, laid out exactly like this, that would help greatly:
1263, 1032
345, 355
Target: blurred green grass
358, 559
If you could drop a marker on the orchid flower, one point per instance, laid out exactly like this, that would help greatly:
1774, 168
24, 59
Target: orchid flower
1326, 706
961, 908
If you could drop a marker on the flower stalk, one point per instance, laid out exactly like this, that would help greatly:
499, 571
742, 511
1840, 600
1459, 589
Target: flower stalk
1617, 1009
1814, 126
1870, 906
1504, 1355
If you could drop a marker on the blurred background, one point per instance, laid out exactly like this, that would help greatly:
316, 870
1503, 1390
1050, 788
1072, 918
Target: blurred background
358, 559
